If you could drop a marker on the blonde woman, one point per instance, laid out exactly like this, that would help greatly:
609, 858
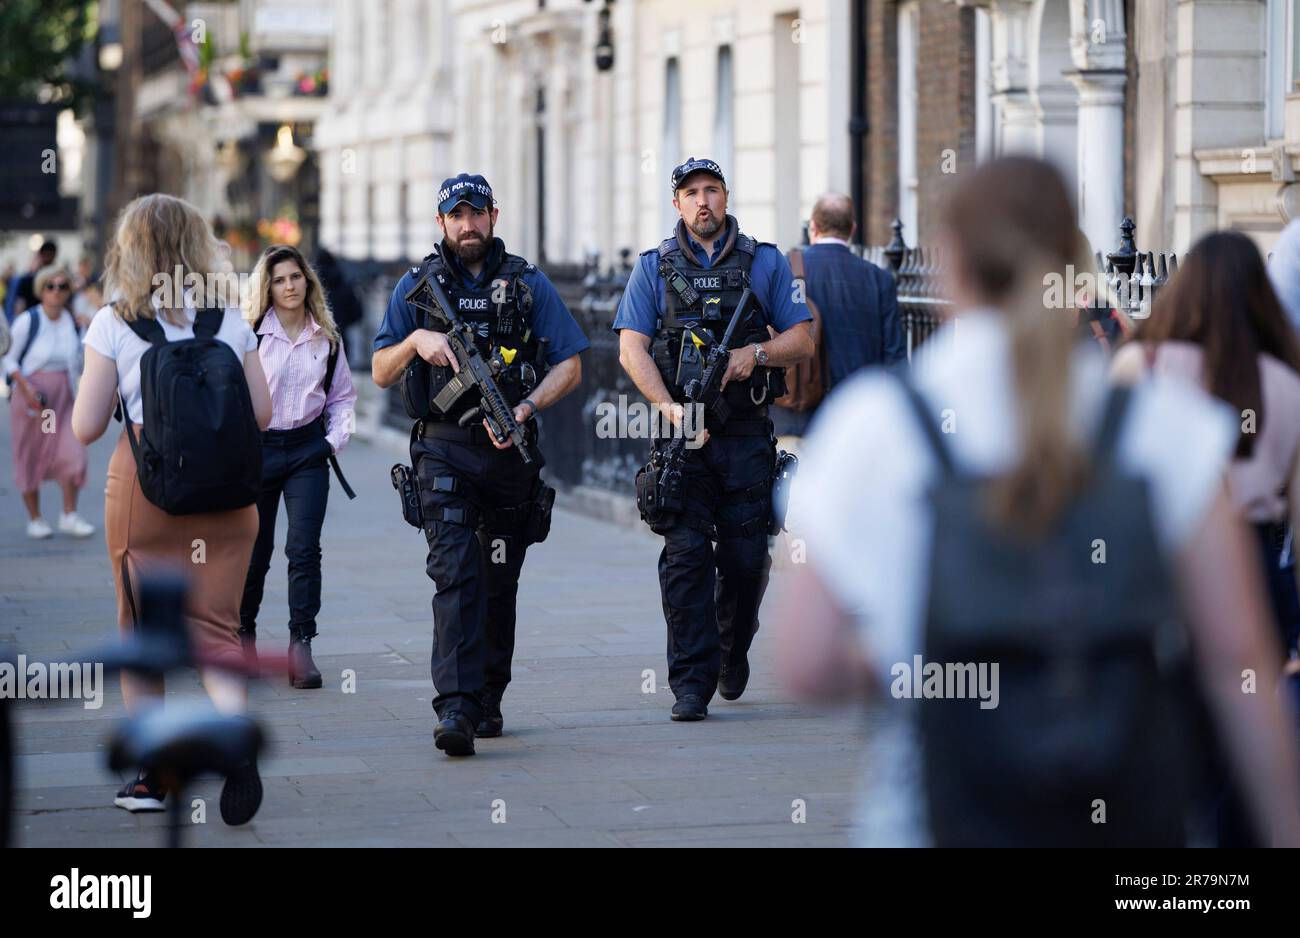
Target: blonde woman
41, 365
936, 510
312, 402
159, 233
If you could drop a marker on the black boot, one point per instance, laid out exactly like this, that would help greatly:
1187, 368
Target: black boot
732, 680
302, 670
491, 723
454, 734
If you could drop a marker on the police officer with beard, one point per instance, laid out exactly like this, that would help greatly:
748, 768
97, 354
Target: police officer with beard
678, 301
479, 504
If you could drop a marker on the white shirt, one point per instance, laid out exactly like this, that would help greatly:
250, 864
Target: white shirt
860, 499
57, 346
111, 337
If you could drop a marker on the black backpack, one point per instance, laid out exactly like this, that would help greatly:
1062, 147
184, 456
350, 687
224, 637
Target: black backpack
1099, 736
200, 449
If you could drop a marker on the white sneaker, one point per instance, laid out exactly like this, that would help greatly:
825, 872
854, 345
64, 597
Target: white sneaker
38, 530
72, 523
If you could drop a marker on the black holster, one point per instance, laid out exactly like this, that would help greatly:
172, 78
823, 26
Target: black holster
408, 491
538, 523
783, 472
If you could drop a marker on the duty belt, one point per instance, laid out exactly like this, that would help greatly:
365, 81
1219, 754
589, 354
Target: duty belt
442, 430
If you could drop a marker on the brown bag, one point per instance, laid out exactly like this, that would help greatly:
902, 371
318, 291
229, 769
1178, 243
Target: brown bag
806, 381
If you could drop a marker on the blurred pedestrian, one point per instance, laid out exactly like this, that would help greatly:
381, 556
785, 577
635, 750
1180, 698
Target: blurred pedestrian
161, 233
41, 365
1002, 511
1218, 323
1284, 271
24, 294
340, 295
312, 415
857, 308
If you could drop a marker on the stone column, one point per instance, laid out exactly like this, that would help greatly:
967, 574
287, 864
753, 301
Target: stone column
1101, 154
1097, 47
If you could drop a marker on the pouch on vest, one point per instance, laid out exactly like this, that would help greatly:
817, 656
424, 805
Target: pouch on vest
690, 363
415, 388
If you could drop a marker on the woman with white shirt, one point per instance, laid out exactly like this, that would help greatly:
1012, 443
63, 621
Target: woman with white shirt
43, 359
1014, 400
162, 233
310, 423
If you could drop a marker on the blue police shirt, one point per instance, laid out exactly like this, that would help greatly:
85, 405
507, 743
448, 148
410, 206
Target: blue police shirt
549, 316
769, 277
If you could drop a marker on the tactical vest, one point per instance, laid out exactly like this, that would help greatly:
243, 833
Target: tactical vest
497, 326
719, 288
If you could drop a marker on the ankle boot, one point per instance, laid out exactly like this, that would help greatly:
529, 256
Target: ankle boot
302, 670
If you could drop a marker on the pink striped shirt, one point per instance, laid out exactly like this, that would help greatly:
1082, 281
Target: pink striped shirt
295, 372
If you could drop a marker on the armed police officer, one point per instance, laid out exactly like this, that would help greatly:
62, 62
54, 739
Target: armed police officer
680, 299
471, 377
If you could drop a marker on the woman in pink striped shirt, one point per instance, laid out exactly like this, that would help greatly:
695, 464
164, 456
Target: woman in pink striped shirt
312, 401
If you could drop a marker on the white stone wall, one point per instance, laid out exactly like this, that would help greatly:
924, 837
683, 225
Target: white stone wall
384, 140
402, 114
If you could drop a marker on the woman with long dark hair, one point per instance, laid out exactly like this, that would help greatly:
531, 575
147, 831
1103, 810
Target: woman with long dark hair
1219, 323
312, 402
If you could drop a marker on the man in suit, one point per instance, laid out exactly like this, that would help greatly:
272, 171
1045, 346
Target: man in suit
858, 301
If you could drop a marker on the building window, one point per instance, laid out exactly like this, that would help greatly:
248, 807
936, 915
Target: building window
672, 142
724, 109
908, 35
1293, 54
786, 182
1277, 43
984, 118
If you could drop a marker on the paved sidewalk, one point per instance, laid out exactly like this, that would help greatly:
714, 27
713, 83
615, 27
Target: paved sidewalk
587, 759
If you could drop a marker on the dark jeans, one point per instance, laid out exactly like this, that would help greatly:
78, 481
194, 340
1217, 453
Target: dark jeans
1281, 584
711, 594
295, 465
475, 571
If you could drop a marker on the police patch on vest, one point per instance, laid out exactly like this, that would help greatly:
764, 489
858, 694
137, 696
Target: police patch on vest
472, 304
707, 283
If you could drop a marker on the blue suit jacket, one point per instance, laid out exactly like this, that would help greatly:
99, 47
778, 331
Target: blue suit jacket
858, 302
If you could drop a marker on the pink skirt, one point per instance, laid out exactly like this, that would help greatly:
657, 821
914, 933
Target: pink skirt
43, 444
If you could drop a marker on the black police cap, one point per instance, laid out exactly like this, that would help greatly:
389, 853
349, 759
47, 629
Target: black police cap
692, 165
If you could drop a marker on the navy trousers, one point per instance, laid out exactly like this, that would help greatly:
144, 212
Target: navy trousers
295, 467
476, 553
711, 594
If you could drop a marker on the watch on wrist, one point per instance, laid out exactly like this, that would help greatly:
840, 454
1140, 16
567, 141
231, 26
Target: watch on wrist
532, 408
760, 354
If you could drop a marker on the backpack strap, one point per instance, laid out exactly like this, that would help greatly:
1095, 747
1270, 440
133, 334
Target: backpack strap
1112, 419
929, 428
330, 364
33, 326
207, 323
148, 329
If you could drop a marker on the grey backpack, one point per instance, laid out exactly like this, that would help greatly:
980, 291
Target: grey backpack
1097, 735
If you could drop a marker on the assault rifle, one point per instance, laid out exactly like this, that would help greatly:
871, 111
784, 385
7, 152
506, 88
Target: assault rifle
475, 372
659, 484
